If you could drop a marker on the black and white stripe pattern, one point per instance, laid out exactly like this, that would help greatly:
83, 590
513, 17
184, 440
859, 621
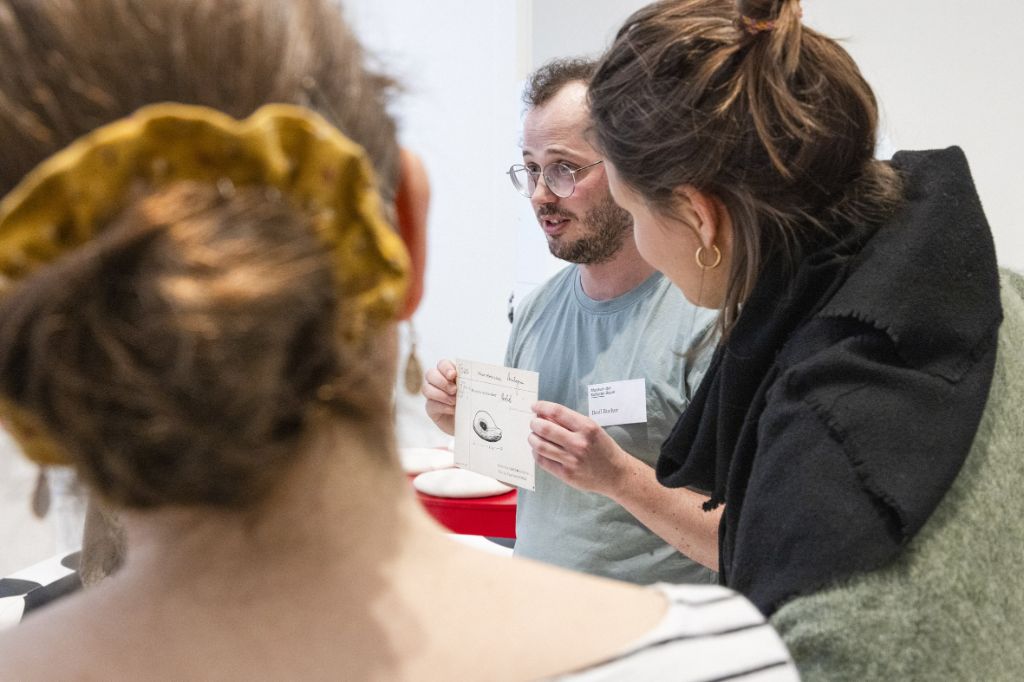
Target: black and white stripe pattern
709, 634
29, 589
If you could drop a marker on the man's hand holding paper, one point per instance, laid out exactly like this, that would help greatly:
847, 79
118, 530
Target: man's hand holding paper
440, 389
577, 450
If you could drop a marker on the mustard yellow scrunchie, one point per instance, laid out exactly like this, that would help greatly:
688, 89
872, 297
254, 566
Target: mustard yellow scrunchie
74, 194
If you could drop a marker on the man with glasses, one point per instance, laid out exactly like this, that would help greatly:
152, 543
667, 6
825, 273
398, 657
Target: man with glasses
607, 317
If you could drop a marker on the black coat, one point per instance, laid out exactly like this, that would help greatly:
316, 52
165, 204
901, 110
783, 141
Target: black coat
846, 398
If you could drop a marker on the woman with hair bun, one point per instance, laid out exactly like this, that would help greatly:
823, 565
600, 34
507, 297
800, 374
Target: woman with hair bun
860, 419
200, 279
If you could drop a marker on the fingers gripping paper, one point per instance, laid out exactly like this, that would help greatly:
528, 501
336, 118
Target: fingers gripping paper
492, 422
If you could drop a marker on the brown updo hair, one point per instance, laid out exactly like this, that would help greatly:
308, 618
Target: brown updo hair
182, 356
766, 114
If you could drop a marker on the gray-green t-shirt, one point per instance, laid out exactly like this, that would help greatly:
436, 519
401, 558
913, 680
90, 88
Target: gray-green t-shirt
574, 341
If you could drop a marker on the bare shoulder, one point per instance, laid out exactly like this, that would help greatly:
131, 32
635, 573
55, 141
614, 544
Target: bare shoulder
581, 596
84, 636
559, 620
514, 619
29, 651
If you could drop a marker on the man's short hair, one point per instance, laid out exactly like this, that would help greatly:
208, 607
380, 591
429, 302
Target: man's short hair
545, 82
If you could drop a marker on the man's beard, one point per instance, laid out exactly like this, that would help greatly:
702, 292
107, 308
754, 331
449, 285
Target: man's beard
606, 227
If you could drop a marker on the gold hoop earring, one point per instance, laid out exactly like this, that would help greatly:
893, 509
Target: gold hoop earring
700, 258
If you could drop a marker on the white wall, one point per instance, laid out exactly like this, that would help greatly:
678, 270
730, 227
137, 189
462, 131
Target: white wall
576, 27
947, 72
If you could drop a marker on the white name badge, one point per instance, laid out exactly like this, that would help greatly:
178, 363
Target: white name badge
618, 402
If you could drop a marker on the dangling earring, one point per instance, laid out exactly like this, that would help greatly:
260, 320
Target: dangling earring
41, 495
413, 368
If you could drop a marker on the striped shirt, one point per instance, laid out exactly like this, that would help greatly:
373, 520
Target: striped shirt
710, 633
37, 586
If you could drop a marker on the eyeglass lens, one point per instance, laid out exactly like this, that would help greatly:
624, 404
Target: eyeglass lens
557, 176
560, 179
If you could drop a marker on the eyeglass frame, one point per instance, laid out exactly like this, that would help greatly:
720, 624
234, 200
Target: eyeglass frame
542, 174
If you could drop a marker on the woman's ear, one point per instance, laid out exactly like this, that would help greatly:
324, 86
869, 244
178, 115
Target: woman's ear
706, 213
412, 201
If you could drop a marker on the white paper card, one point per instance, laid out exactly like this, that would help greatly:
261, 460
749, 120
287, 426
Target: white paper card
492, 422
618, 402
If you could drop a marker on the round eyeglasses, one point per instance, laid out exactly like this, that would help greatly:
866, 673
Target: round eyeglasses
559, 177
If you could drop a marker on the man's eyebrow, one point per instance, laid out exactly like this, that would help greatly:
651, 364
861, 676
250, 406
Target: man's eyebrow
556, 149
562, 149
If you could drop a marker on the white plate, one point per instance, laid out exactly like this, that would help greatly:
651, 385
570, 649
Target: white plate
418, 460
458, 483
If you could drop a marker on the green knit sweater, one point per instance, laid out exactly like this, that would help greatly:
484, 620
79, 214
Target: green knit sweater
952, 606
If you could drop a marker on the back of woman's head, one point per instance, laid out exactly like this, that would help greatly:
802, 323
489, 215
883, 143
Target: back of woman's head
68, 67
182, 355
740, 100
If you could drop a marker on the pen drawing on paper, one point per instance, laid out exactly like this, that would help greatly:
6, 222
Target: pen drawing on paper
484, 426
492, 422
